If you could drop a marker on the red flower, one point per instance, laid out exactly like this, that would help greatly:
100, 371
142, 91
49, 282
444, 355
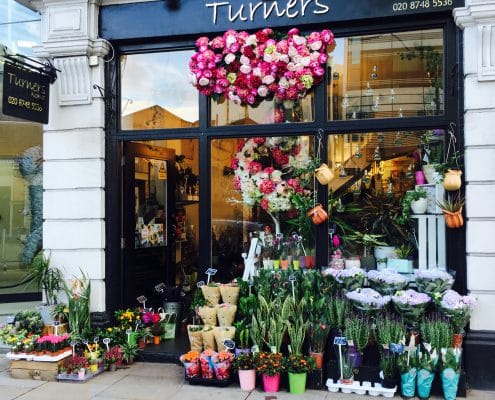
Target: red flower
259, 140
267, 186
292, 213
264, 204
234, 163
254, 167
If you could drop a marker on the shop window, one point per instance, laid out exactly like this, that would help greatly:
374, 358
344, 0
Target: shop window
255, 184
156, 93
372, 172
388, 75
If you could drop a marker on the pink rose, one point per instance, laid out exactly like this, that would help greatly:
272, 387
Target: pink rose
267, 186
254, 167
264, 204
268, 170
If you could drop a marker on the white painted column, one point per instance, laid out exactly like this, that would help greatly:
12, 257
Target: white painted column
74, 143
477, 20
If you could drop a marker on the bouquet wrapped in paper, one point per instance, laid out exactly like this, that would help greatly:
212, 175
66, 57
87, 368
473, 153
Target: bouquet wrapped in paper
209, 338
211, 293
226, 314
195, 333
230, 293
223, 332
208, 315
206, 362
223, 364
190, 360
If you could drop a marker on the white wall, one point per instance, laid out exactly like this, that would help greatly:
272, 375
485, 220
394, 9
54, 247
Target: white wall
477, 20
74, 143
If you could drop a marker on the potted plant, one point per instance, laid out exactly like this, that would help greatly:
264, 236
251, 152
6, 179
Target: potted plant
427, 362
244, 365
76, 365
49, 280
347, 372
157, 331
298, 367
389, 330
357, 330
410, 305
129, 352
78, 294
450, 372
388, 373
401, 262
222, 362
415, 201
317, 335
452, 210
111, 357
190, 360
242, 338
407, 365
270, 365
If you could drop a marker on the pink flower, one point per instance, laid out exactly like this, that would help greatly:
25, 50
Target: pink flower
202, 41
254, 167
269, 170
264, 204
267, 186
234, 163
237, 183
259, 141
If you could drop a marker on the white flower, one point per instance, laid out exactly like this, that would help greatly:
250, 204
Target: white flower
193, 79
204, 81
268, 80
229, 58
299, 40
267, 58
251, 40
262, 91
292, 52
315, 46
305, 61
284, 83
257, 71
245, 60
245, 69
284, 58
230, 40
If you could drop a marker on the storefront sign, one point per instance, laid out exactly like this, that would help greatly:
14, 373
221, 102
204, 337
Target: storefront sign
206, 16
25, 94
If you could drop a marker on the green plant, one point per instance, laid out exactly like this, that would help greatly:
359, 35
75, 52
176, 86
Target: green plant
451, 358
407, 361
244, 362
247, 306
198, 300
269, 363
410, 196
60, 312
388, 364
437, 332
357, 329
452, 203
404, 251
336, 312
48, 279
129, 352
389, 330
347, 367
298, 364
297, 332
78, 295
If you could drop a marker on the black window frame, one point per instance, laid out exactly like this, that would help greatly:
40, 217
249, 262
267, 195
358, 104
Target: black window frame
205, 132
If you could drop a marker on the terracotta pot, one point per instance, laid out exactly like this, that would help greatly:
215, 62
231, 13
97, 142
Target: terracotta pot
310, 262
453, 219
457, 340
452, 180
318, 357
324, 174
156, 339
317, 214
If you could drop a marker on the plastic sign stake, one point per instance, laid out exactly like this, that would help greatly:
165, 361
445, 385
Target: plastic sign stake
292, 279
200, 284
86, 342
210, 272
160, 288
106, 342
142, 300
340, 341
73, 344
251, 283
229, 344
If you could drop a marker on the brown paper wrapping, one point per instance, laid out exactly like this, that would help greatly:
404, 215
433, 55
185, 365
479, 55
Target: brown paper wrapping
230, 294
226, 314
195, 338
211, 294
209, 338
208, 315
222, 333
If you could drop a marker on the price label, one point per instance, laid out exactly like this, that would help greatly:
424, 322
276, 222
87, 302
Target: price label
96, 339
142, 299
85, 341
396, 348
211, 271
255, 349
73, 343
10, 319
200, 284
273, 349
292, 278
229, 344
340, 341
106, 341
160, 288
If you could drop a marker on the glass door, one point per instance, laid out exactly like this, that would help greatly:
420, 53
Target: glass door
148, 198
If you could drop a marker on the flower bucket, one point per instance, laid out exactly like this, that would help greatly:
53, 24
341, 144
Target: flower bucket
452, 180
112, 367
297, 382
317, 214
450, 381
318, 357
295, 264
271, 383
93, 368
302, 262
324, 174
424, 381
133, 338
310, 262
284, 264
408, 383
192, 369
276, 264
453, 219
156, 339
247, 379
169, 331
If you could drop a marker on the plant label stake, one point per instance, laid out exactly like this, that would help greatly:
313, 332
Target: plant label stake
251, 283
73, 345
86, 342
396, 348
200, 284
55, 326
128, 333
210, 272
142, 300
10, 319
160, 288
96, 340
106, 341
138, 322
340, 341
292, 279
229, 344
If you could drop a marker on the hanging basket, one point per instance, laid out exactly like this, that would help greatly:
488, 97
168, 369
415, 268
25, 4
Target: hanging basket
317, 214
452, 180
324, 174
453, 219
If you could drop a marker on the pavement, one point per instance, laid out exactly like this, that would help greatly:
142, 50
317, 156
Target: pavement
150, 381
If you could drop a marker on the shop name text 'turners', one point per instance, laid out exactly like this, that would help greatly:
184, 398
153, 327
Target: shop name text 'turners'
265, 9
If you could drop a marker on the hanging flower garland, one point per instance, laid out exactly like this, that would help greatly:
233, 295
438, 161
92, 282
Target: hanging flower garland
264, 173
248, 68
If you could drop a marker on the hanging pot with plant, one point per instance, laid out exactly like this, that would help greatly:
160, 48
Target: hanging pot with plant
452, 180
452, 210
317, 214
324, 174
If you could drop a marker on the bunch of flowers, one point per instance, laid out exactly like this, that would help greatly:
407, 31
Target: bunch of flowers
75, 363
113, 355
30, 321
263, 172
127, 319
269, 363
191, 364
367, 300
410, 304
386, 281
458, 308
244, 362
297, 363
53, 343
248, 68
10, 335
350, 279
432, 281
205, 360
223, 364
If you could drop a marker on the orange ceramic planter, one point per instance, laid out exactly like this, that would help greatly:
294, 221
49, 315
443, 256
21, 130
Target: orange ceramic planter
453, 219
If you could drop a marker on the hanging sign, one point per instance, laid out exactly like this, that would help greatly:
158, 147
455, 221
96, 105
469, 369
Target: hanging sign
162, 172
25, 93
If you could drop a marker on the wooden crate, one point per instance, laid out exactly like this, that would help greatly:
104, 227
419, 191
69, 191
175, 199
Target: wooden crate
39, 370
50, 329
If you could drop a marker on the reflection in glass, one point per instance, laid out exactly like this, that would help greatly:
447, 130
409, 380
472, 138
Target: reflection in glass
249, 198
226, 112
156, 92
388, 75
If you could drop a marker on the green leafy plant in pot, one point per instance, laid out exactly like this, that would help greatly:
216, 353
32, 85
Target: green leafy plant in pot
49, 280
388, 373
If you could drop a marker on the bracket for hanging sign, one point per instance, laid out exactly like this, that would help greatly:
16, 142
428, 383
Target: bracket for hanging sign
142, 300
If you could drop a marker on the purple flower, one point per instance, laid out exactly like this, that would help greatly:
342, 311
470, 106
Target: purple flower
388, 276
410, 297
368, 297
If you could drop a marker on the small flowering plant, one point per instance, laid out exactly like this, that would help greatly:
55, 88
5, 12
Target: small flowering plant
367, 300
317, 335
297, 364
350, 279
126, 319
269, 364
386, 281
410, 305
244, 362
191, 364
458, 308
432, 281
113, 355
248, 68
223, 364
75, 363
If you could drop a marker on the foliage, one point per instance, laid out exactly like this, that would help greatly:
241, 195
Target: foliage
78, 295
347, 367
437, 332
388, 364
269, 363
389, 330
297, 364
451, 358
317, 335
404, 251
452, 203
410, 196
297, 332
48, 279
28, 320
242, 334
337, 309
157, 329
357, 329
129, 352
407, 361
244, 362
198, 300
247, 306
60, 312
303, 202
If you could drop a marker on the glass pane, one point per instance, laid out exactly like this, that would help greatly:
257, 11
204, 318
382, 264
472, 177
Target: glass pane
21, 208
226, 112
255, 184
156, 92
150, 191
372, 172
387, 75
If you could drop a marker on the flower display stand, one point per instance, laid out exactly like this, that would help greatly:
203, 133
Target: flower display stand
357, 387
209, 382
75, 377
43, 358
45, 370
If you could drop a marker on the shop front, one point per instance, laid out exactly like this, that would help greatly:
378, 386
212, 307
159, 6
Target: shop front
171, 181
